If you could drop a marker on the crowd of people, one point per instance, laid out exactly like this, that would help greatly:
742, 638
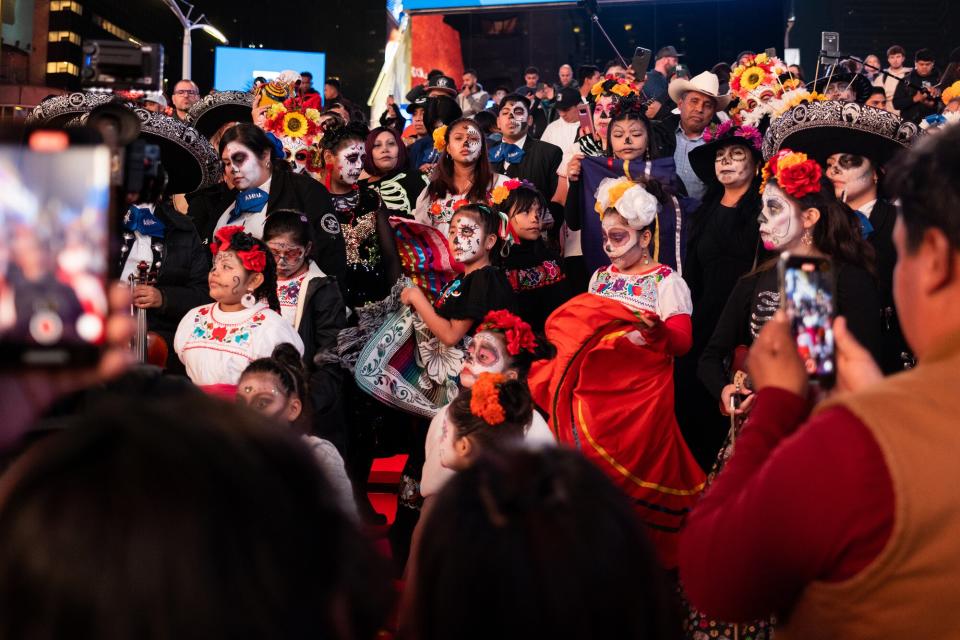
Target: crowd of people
561, 303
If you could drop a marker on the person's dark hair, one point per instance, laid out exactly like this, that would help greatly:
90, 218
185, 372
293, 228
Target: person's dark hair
522, 362
183, 515
286, 365
799, 75
442, 109
629, 108
877, 91
259, 80
334, 138
333, 82
486, 120
283, 221
522, 199
471, 71
924, 179
515, 516
722, 70
837, 233
529, 70
585, 72
513, 97
443, 183
925, 55
502, 87
368, 164
243, 241
610, 64
254, 138
514, 398
486, 217
896, 49
434, 73
307, 74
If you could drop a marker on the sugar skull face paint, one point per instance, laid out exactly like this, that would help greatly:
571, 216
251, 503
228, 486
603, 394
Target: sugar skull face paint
245, 169
466, 239
487, 354
350, 162
512, 119
465, 142
734, 165
620, 242
288, 255
852, 176
602, 114
780, 223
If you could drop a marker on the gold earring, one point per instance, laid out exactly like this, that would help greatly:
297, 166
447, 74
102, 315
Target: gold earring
807, 238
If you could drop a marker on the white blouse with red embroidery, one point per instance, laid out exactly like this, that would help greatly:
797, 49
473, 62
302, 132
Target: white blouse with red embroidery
216, 346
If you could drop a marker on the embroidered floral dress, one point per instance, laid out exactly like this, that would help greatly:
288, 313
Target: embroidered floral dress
216, 346
438, 212
535, 275
288, 291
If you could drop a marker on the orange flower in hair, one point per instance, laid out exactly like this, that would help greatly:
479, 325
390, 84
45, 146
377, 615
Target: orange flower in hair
485, 398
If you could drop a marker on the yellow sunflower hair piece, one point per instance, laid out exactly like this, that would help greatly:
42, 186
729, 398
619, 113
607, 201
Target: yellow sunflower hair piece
951, 93
439, 138
295, 124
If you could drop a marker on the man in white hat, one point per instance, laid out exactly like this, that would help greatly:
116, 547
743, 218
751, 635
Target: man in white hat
699, 100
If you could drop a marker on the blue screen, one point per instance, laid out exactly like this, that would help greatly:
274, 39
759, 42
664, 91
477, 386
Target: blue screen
236, 68
422, 5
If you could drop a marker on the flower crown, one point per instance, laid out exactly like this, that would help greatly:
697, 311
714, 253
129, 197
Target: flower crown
518, 334
630, 199
440, 138
951, 93
796, 174
294, 118
729, 129
502, 192
485, 398
758, 74
612, 84
233, 238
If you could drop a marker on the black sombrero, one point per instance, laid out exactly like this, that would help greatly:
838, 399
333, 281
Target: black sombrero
703, 158
858, 83
821, 129
59, 110
219, 108
188, 157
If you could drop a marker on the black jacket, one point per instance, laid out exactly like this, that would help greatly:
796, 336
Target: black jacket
181, 276
906, 89
539, 165
288, 191
893, 346
324, 315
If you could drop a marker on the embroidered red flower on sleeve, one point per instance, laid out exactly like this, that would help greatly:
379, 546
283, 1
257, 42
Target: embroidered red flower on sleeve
219, 333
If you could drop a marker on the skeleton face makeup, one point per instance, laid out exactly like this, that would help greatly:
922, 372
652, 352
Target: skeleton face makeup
853, 176
628, 139
466, 239
245, 169
512, 120
350, 162
780, 224
734, 165
487, 354
465, 143
289, 256
601, 115
261, 392
620, 242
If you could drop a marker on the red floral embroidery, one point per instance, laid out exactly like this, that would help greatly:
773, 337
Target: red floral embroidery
219, 333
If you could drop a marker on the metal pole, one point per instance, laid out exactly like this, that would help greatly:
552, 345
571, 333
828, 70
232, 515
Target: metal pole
187, 47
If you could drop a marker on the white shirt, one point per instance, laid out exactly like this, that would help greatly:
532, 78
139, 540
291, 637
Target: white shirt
435, 475
331, 462
141, 249
867, 209
440, 218
252, 221
216, 346
292, 298
889, 84
564, 135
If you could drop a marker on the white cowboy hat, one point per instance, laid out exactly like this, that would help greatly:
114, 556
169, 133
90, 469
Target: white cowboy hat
706, 83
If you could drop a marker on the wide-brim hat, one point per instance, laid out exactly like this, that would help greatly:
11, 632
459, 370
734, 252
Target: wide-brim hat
59, 110
821, 129
706, 83
703, 158
189, 159
861, 86
219, 108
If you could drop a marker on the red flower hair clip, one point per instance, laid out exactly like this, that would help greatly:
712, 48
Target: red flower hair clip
253, 259
485, 398
518, 334
796, 174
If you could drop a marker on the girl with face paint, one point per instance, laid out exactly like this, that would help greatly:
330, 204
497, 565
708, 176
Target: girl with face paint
812, 223
360, 215
723, 245
611, 384
534, 270
462, 174
276, 388
854, 180
464, 302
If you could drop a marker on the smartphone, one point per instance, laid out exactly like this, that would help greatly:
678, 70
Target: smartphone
586, 119
54, 251
641, 60
808, 295
829, 43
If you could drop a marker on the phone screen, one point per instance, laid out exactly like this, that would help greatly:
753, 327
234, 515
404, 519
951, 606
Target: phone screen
586, 119
807, 288
830, 41
54, 212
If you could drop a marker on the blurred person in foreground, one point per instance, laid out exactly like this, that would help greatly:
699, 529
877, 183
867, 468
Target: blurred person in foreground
851, 526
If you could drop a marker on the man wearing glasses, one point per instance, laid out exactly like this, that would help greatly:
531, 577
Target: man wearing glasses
185, 95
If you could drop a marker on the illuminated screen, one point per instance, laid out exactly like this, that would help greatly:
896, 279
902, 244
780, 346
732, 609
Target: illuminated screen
426, 5
236, 68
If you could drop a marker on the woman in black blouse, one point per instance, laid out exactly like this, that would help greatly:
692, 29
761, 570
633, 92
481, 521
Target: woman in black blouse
813, 224
723, 244
386, 167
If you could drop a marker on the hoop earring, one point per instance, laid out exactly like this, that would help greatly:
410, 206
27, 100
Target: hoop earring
248, 300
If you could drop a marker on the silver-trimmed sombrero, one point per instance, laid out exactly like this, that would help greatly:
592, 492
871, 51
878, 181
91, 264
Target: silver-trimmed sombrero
59, 110
190, 160
219, 108
821, 129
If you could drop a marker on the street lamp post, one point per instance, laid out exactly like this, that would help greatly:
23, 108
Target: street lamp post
188, 26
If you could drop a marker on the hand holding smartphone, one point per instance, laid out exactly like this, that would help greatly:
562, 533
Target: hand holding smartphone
586, 120
807, 295
641, 60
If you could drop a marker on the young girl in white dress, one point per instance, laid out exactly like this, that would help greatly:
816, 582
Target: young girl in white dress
217, 341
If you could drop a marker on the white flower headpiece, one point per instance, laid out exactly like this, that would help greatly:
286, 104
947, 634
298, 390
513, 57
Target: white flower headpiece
630, 199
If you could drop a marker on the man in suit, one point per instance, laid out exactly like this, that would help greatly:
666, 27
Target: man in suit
523, 157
